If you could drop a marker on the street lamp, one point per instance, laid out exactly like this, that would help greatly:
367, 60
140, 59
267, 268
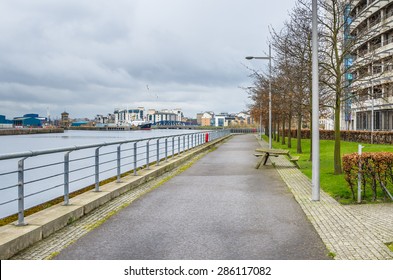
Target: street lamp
315, 106
270, 89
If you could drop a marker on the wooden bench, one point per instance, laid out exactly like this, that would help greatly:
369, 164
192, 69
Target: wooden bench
294, 160
266, 153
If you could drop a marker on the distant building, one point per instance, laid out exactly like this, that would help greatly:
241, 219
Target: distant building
4, 123
199, 118
65, 120
127, 116
100, 119
29, 120
219, 120
206, 119
155, 116
80, 123
165, 115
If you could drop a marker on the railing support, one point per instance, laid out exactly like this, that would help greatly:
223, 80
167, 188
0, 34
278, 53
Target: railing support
166, 149
178, 145
97, 170
135, 157
21, 193
158, 152
118, 164
173, 147
67, 178
147, 155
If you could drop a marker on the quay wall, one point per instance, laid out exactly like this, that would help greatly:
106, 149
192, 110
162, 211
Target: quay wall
22, 131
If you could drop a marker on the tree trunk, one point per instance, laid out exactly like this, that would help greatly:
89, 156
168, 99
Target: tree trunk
283, 131
337, 140
310, 159
299, 134
289, 131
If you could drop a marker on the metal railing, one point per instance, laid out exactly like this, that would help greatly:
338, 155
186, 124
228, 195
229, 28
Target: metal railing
47, 174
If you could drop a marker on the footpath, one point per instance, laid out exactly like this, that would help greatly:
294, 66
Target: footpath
223, 208
355, 232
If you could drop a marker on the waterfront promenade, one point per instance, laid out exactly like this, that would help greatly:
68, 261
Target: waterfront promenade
222, 208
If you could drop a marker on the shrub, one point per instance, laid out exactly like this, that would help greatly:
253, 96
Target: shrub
376, 171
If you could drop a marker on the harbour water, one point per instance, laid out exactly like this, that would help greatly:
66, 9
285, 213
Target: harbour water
32, 142
39, 190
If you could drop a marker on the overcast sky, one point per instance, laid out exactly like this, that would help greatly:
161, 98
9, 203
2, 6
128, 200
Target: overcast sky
88, 57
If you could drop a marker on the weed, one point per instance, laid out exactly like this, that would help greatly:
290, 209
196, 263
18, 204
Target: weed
390, 246
331, 255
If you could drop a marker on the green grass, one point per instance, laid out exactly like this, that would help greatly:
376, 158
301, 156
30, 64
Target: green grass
334, 185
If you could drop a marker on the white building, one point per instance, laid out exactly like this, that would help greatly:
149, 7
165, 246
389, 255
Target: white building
127, 116
373, 65
165, 115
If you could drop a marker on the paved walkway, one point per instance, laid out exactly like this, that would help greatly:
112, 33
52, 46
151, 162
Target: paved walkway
257, 210
220, 208
356, 232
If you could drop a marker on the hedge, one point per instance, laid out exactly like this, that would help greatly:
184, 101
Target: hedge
380, 137
376, 170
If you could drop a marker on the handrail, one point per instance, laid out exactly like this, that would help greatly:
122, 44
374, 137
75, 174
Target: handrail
90, 165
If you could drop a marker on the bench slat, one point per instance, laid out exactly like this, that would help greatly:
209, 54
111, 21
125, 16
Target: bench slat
294, 158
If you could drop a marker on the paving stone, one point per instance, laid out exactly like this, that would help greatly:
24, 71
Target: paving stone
356, 232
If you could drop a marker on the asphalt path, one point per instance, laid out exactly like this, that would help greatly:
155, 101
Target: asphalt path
219, 209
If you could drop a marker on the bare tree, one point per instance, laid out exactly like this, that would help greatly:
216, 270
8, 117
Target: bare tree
292, 46
337, 44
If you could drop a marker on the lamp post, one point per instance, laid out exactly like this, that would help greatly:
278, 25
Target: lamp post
315, 106
270, 89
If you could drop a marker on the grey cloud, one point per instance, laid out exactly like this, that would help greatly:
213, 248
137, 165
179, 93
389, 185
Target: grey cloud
91, 56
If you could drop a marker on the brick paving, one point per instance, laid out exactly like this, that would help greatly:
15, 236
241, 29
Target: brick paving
356, 232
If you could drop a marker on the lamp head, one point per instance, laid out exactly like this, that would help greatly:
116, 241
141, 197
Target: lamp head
249, 57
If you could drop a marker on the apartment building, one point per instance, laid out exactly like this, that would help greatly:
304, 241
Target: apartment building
125, 116
371, 77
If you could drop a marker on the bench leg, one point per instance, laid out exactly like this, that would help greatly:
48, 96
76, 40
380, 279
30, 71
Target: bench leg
266, 156
259, 163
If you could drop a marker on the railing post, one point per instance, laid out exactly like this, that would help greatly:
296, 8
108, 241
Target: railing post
188, 142
158, 151
173, 146
118, 164
166, 149
147, 155
21, 194
67, 178
97, 170
184, 144
178, 145
135, 157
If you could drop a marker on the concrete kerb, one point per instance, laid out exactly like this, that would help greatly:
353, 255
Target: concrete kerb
40, 225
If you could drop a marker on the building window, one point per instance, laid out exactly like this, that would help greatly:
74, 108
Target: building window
377, 120
377, 91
